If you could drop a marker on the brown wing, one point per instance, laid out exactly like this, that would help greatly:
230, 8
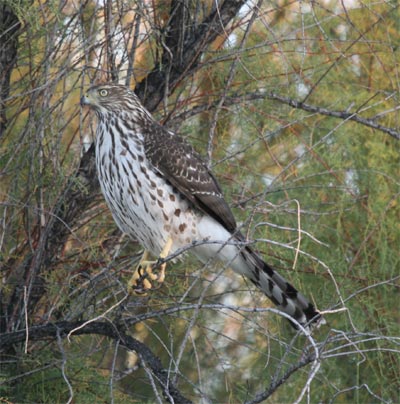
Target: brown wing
179, 163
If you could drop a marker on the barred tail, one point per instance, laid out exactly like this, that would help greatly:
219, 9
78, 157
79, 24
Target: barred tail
247, 262
279, 290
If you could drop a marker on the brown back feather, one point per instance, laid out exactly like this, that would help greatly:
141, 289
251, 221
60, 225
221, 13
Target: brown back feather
179, 163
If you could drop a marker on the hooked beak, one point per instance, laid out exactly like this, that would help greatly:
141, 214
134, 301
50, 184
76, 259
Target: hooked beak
85, 101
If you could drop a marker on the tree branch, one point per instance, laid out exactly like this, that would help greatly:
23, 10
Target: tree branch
257, 95
345, 115
260, 397
181, 59
107, 329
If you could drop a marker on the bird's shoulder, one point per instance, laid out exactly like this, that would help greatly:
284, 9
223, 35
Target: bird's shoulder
169, 150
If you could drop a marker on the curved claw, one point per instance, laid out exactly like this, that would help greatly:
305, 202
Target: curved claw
145, 272
143, 276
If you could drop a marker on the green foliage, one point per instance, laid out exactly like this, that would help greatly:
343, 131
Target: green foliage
46, 377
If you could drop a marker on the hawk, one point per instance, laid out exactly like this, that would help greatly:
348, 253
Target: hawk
161, 193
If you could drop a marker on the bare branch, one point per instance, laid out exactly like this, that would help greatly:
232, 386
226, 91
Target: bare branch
113, 331
259, 95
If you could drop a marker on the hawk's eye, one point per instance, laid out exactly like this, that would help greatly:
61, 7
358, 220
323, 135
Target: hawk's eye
103, 93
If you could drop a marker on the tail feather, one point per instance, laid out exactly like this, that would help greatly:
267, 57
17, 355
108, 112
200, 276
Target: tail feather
247, 262
285, 296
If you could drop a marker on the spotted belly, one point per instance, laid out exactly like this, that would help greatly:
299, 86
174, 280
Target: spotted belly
146, 207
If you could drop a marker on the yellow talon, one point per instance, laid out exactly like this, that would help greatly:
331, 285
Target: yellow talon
140, 281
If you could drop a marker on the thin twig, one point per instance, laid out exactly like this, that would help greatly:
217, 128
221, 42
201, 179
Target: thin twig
26, 320
63, 363
260, 95
100, 316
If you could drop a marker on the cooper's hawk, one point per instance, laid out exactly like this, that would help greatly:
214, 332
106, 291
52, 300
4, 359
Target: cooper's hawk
162, 194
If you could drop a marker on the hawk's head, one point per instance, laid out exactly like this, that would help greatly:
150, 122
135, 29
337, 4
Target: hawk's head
112, 98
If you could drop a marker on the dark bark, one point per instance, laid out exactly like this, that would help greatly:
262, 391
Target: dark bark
9, 31
184, 47
117, 333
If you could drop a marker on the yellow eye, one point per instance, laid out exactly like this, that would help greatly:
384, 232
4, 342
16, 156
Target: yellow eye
103, 93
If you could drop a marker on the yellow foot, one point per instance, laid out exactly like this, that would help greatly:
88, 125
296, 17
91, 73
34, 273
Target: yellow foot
141, 280
145, 272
